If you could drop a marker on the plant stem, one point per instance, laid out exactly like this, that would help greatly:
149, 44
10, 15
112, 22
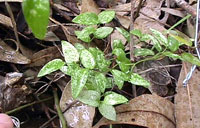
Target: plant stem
60, 114
27, 105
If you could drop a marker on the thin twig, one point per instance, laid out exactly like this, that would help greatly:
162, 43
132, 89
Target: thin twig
27, 105
60, 114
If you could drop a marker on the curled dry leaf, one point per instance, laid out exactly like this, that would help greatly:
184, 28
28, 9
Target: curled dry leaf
5, 21
150, 111
79, 115
8, 54
187, 109
89, 6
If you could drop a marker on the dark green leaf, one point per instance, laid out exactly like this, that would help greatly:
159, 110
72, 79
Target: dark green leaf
50, 67
78, 80
143, 52
173, 44
119, 78
101, 63
108, 111
87, 59
118, 44
87, 18
124, 33
70, 52
160, 37
172, 55
190, 58
36, 13
106, 16
138, 80
114, 99
136, 32
102, 32
90, 97
101, 81
84, 35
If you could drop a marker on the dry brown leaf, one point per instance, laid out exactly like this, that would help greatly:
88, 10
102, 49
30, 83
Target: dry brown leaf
116, 35
11, 0
144, 23
8, 54
174, 12
124, 21
122, 7
187, 101
89, 6
79, 115
5, 21
42, 57
150, 111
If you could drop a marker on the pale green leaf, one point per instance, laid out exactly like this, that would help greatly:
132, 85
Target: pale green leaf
190, 58
136, 32
119, 78
101, 81
70, 52
108, 111
102, 32
114, 99
173, 44
124, 33
106, 16
84, 35
172, 55
160, 36
118, 44
143, 52
36, 13
50, 67
90, 97
87, 59
138, 80
87, 18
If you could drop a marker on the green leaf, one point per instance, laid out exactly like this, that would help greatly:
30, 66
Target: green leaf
87, 18
124, 65
70, 69
84, 35
70, 52
143, 52
108, 111
190, 58
138, 80
87, 59
114, 99
36, 13
160, 37
173, 44
118, 44
119, 78
79, 47
106, 16
121, 55
102, 32
156, 43
101, 63
124, 33
64, 69
136, 32
90, 97
50, 67
181, 37
78, 80
172, 55
101, 81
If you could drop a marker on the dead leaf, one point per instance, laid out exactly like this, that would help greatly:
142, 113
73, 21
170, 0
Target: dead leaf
7, 54
187, 100
174, 12
42, 57
122, 7
5, 21
50, 36
116, 35
79, 115
89, 6
124, 21
150, 111
11, 0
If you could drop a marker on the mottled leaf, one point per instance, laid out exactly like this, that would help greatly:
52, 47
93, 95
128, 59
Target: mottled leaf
119, 78
173, 44
136, 32
172, 55
160, 37
102, 32
118, 44
106, 16
87, 59
70, 52
87, 18
143, 52
79, 47
138, 80
114, 99
78, 80
108, 111
90, 97
84, 35
190, 58
36, 13
101, 81
50, 67
124, 33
